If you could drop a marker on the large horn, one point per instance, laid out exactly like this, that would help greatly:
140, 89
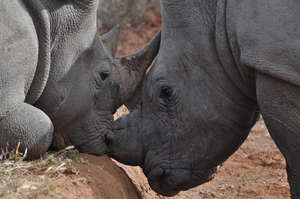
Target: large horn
130, 70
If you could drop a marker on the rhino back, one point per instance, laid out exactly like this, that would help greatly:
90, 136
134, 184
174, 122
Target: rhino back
18, 54
265, 36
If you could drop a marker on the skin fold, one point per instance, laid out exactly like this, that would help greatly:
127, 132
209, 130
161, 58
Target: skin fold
59, 80
221, 63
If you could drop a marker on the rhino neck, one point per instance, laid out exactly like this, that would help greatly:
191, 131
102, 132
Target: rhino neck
206, 22
67, 17
228, 52
41, 20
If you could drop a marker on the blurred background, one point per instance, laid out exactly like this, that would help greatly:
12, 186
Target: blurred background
124, 12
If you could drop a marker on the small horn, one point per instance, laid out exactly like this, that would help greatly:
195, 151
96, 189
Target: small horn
131, 69
110, 40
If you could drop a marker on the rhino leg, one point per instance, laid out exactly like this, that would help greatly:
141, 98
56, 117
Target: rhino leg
279, 103
28, 126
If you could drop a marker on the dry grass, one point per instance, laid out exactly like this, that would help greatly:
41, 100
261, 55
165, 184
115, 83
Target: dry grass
30, 179
24, 179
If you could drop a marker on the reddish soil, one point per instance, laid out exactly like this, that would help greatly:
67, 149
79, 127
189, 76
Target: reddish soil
65, 175
95, 178
106, 179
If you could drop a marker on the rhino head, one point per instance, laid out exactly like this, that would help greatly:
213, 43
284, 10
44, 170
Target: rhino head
86, 82
191, 117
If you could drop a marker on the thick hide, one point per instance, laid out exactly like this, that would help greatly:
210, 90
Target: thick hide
221, 63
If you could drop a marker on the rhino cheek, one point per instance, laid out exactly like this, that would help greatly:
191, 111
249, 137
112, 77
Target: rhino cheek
88, 134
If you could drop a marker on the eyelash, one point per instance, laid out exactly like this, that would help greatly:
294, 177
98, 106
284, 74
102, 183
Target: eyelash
98, 81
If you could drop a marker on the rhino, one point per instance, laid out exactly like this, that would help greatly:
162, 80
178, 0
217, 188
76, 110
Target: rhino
221, 64
59, 80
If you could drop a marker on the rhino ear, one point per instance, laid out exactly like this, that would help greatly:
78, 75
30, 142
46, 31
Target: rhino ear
110, 40
86, 5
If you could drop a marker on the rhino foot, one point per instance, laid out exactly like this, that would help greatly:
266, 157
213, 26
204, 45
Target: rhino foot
28, 127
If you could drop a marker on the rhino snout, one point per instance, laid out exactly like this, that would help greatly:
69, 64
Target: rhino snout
124, 144
110, 139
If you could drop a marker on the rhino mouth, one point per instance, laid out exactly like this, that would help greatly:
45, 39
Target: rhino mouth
88, 135
169, 182
60, 138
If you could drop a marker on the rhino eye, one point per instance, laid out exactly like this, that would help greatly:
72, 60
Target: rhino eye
104, 75
166, 92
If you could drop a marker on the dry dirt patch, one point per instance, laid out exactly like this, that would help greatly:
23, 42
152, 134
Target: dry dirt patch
67, 175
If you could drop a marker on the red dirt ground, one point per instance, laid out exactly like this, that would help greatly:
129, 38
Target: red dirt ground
98, 178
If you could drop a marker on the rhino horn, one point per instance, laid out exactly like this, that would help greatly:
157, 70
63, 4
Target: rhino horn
132, 68
110, 40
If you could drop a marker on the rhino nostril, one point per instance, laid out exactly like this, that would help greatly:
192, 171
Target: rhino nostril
156, 174
110, 139
104, 75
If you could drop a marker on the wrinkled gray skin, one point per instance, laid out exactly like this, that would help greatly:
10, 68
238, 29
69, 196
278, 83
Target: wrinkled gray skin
220, 64
57, 80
